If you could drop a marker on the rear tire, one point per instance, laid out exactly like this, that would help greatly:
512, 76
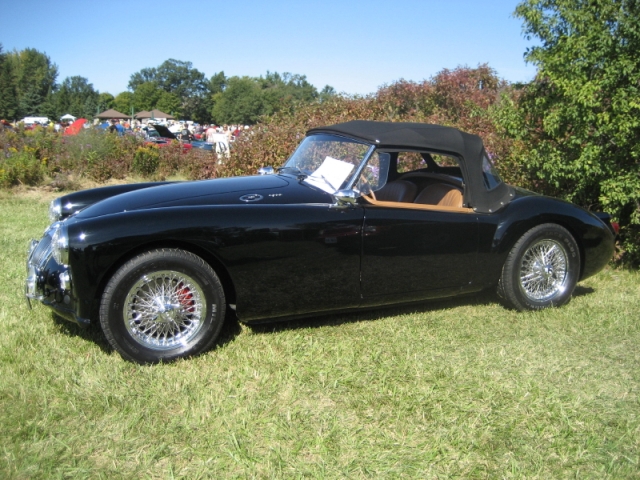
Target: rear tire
162, 305
541, 270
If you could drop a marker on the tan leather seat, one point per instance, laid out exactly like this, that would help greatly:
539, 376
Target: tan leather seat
440, 194
398, 191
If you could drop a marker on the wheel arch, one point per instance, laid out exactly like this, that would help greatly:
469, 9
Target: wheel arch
520, 220
214, 262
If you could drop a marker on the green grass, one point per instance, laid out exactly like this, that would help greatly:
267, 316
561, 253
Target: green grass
456, 389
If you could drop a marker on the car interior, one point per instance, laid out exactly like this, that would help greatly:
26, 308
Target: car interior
422, 180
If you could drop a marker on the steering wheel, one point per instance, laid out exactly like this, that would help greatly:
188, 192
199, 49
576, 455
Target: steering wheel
363, 181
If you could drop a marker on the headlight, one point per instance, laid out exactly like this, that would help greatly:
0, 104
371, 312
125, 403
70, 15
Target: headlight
55, 210
60, 245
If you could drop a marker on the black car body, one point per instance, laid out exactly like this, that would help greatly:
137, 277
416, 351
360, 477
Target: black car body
363, 214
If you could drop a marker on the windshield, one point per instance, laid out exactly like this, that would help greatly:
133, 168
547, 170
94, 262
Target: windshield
328, 162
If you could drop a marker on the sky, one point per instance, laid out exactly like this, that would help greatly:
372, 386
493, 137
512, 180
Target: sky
352, 45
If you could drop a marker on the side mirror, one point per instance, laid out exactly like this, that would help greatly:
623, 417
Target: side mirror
346, 198
266, 171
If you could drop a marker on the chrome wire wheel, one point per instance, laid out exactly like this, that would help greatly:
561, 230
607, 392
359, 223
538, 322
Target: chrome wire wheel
544, 270
164, 310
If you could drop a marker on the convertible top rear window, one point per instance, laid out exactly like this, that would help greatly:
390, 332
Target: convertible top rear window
489, 174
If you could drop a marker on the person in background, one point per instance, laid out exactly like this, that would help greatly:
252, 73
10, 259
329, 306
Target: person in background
185, 135
210, 132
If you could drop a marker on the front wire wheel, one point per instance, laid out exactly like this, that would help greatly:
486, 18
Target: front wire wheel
162, 305
164, 310
541, 270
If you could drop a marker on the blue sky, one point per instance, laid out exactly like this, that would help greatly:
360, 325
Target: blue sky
354, 46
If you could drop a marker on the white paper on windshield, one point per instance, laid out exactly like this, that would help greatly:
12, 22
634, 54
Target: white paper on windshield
331, 174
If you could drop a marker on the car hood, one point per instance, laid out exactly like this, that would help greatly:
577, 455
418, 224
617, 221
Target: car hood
253, 190
165, 132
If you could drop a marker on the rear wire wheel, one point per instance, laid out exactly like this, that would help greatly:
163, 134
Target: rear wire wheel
162, 305
541, 270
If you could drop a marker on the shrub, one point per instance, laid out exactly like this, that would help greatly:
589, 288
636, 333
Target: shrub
146, 161
21, 168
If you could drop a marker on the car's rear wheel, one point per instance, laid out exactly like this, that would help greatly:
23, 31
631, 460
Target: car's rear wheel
162, 305
541, 270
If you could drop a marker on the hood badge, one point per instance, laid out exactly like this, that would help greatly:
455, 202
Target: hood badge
251, 197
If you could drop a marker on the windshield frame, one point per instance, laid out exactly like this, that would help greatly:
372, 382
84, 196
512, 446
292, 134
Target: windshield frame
352, 180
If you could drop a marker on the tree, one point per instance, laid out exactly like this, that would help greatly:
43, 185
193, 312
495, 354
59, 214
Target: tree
326, 93
241, 102
123, 102
217, 83
169, 103
144, 75
8, 92
285, 91
176, 77
34, 78
146, 95
245, 99
580, 117
105, 101
77, 97
30, 103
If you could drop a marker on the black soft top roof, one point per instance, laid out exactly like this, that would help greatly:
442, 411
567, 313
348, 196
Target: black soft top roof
434, 138
422, 136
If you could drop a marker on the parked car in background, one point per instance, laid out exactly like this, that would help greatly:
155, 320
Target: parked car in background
362, 215
161, 136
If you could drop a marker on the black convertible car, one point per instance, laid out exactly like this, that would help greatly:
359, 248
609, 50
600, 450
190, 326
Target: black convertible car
363, 214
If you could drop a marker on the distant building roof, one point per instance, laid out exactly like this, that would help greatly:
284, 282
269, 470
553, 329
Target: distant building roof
153, 114
111, 113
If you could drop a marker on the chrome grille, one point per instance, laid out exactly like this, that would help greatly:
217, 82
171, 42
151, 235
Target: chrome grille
42, 251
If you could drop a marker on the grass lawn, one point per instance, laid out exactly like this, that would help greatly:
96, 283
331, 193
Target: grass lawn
463, 389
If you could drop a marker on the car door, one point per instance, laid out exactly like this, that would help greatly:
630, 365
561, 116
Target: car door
409, 254
294, 260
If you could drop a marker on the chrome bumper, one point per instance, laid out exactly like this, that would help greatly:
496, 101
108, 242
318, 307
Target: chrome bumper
30, 289
46, 281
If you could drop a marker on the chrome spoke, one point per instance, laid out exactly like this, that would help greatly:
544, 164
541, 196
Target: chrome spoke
543, 270
164, 310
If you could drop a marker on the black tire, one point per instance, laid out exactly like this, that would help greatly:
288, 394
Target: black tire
162, 305
541, 270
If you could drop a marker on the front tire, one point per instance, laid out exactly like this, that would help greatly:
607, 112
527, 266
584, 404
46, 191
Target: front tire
162, 305
541, 270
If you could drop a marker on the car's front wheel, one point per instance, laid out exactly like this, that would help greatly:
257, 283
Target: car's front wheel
162, 305
541, 270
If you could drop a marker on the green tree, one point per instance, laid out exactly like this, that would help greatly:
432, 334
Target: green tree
285, 91
123, 102
241, 102
146, 95
34, 78
105, 102
8, 91
169, 103
144, 75
326, 93
178, 78
217, 83
580, 117
30, 103
245, 99
76, 96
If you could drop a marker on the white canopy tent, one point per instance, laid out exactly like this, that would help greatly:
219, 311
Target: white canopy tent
68, 116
